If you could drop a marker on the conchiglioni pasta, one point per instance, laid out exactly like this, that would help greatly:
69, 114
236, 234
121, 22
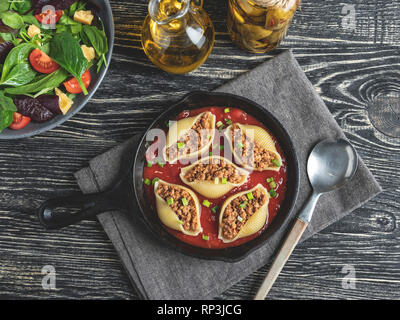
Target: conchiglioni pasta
253, 147
213, 176
205, 198
178, 207
189, 137
243, 214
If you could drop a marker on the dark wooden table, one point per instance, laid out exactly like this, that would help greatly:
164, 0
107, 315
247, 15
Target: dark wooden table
354, 69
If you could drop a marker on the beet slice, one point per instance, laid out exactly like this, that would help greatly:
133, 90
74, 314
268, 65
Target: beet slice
32, 108
5, 49
57, 4
50, 102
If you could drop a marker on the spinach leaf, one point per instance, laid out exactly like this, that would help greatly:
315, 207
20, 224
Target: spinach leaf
40, 83
66, 23
12, 19
66, 51
7, 108
92, 36
30, 19
17, 55
21, 6
9, 37
19, 75
4, 6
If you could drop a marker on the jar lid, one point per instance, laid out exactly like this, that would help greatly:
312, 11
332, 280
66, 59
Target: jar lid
284, 4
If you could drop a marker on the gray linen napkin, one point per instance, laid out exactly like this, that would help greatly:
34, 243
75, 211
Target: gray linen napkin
160, 273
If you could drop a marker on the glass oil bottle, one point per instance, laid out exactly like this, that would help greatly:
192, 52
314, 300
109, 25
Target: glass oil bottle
177, 35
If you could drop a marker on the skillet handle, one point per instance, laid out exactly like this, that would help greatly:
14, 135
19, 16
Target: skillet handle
90, 206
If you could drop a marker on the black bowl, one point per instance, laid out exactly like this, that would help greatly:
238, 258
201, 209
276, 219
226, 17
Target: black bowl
105, 13
203, 99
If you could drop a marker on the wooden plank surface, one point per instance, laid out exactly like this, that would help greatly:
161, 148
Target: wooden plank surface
349, 68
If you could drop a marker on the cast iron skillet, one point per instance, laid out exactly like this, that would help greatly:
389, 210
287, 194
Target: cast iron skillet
129, 193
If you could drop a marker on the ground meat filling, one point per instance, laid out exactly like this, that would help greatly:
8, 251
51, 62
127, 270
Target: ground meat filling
216, 169
197, 138
251, 153
182, 204
239, 211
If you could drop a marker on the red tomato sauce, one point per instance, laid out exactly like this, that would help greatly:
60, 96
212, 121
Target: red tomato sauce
209, 220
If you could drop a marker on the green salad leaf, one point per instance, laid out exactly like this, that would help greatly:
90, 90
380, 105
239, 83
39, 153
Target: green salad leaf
19, 75
7, 108
4, 6
9, 37
92, 36
30, 19
20, 6
66, 51
12, 19
77, 6
40, 83
16, 56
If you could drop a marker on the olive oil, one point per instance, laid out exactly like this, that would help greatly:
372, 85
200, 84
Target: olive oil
257, 28
177, 36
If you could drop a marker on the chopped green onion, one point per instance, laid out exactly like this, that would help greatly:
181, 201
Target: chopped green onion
206, 203
272, 184
224, 181
185, 202
221, 128
226, 110
210, 153
208, 136
154, 181
160, 163
149, 164
170, 201
219, 124
228, 121
276, 163
240, 218
221, 148
206, 237
168, 124
216, 180
273, 193
147, 181
240, 145
181, 145
250, 196
215, 209
180, 221
270, 180
242, 205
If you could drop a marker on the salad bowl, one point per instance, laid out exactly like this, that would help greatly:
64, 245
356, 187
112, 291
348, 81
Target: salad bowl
104, 12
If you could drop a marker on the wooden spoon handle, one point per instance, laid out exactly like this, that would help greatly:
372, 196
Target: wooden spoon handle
280, 260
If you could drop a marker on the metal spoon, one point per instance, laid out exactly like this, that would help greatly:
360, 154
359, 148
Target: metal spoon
330, 165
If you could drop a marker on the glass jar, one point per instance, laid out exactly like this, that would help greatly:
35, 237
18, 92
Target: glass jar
259, 26
177, 35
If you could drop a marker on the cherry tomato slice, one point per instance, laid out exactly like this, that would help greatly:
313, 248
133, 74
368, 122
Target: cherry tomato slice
41, 62
73, 86
19, 121
49, 17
